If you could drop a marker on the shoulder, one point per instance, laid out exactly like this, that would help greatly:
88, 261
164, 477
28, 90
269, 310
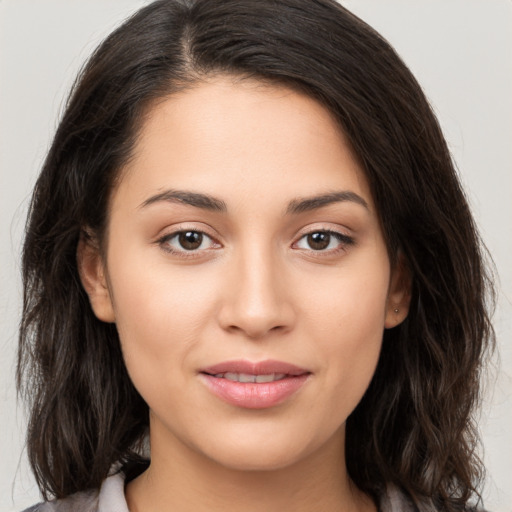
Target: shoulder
394, 500
79, 502
109, 498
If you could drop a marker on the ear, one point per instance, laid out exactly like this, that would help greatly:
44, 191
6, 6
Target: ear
92, 275
399, 294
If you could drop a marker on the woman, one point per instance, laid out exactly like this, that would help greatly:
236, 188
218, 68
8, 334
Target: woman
249, 246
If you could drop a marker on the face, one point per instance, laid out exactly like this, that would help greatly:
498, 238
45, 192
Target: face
247, 275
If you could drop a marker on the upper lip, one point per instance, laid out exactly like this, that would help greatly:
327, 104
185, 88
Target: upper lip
254, 368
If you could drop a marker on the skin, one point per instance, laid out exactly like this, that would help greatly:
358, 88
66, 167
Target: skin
255, 289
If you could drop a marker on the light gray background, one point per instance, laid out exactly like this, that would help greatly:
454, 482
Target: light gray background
461, 52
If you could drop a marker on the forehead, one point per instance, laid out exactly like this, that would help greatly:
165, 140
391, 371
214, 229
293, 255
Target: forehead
229, 136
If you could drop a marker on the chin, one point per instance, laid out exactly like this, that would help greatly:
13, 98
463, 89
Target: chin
261, 454
264, 460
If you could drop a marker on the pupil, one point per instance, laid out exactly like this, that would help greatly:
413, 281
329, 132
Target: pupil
190, 240
319, 241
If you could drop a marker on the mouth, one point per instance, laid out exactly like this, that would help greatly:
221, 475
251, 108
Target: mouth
243, 367
254, 385
247, 377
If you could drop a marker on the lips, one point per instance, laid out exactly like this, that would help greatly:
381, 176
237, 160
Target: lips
254, 385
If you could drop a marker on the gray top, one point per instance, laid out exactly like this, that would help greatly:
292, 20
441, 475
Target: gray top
110, 498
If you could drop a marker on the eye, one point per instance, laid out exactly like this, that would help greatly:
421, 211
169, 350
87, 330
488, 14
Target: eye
323, 240
187, 241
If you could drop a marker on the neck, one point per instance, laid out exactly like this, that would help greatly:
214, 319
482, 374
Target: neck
183, 480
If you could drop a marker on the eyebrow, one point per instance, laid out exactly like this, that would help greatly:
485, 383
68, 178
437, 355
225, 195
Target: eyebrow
307, 204
203, 201
296, 206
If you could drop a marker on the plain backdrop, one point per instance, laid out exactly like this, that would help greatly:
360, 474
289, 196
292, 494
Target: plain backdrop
461, 52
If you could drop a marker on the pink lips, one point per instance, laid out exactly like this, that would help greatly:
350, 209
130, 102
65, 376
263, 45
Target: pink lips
279, 381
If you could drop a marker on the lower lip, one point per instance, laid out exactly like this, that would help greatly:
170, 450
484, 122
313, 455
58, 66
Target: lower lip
254, 395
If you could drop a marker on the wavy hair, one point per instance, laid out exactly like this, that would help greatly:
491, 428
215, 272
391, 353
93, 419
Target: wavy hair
414, 427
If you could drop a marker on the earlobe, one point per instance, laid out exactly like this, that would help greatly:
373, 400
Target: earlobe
92, 275
399, 295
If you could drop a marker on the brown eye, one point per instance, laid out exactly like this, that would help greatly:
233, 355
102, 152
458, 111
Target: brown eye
188, 243
190, 240
324, 241
319, 240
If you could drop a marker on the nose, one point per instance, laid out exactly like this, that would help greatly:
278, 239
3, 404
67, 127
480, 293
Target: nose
257, 298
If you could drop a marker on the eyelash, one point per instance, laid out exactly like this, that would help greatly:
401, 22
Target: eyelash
163, 242
345, 241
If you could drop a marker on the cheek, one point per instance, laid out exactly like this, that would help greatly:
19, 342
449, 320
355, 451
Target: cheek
160, 311
349, 302
346, 318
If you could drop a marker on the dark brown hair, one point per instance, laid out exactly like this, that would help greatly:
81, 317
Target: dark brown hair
414, 426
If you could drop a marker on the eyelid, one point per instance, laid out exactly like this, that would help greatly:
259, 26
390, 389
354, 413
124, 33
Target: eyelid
326, 227
170, 233
345, 240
